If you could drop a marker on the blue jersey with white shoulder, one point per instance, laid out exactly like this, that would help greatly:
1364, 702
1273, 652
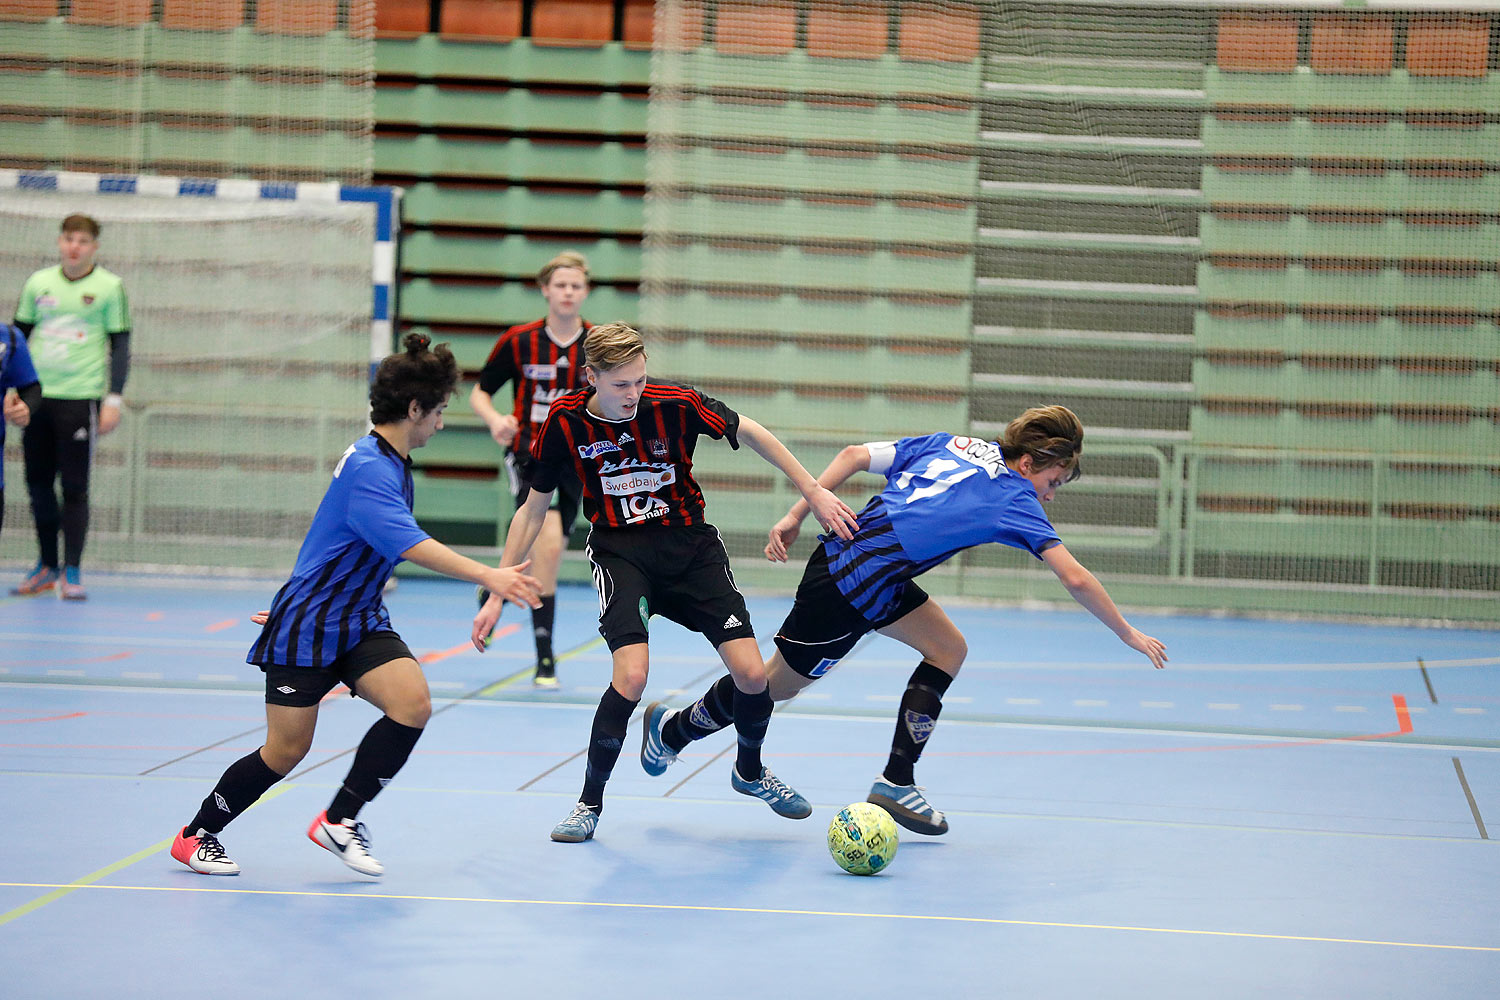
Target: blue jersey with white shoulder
333, 599
16, 371
942, 494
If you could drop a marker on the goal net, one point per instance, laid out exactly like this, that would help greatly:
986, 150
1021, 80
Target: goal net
256, 311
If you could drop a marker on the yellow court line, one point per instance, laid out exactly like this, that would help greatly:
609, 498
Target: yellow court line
403, 897
59, 891
526, 672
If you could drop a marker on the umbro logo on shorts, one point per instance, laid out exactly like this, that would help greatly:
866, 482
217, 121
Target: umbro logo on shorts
286, 689
219, 801
81, 434
732, 622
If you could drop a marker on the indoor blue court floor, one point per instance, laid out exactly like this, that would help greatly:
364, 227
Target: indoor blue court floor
1289, 809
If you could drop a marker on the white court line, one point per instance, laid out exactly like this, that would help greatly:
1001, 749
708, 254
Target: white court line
1286, 708
1090, 702
1349, 708
1023, 701
141, 675
1466, 710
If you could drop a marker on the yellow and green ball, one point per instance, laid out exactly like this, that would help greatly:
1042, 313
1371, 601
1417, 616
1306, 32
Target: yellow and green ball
862, 839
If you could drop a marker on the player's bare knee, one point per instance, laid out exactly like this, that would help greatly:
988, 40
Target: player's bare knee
413, 711
281, 755
750, 679
782, 688
631, 682
954, 654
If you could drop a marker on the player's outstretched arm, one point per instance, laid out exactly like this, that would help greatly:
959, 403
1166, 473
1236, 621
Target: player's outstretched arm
510, 582
524, 528
854, 458
1088, 591
832, 513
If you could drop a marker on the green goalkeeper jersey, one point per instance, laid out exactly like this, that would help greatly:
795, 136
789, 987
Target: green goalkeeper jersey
72, 321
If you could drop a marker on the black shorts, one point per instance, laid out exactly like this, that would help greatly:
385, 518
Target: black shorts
565, 499
680, 573
299, 687
823, 626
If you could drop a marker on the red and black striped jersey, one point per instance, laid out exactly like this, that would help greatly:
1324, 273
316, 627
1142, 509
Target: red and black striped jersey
636, 471
539, 371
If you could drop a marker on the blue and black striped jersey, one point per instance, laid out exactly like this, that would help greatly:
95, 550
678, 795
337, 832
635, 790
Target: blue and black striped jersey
333, 599
942, 494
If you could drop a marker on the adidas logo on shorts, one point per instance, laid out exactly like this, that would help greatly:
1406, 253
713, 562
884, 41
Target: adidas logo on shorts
732, 622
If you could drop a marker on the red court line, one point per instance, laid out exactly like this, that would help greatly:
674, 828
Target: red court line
434, 657
221, 626
1403, 714
155, 616
48, 718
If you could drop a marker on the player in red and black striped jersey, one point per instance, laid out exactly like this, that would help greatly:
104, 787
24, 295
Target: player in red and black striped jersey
631, 442
542, 361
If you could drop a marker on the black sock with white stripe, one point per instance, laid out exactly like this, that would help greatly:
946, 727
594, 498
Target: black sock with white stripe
707, 716
542, 620
918, 715
605, 740
244, 781
381, 754
752, 716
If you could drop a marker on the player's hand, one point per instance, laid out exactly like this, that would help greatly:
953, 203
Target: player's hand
17, 413
109, 418
832, 513
783, 533
512, 584
260, 617
508, 584
485, 622
504, 429
1151, 647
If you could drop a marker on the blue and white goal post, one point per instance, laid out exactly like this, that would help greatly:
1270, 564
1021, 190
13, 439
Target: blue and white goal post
257, 312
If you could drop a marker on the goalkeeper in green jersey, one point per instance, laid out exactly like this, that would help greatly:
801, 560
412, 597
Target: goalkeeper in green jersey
77, 324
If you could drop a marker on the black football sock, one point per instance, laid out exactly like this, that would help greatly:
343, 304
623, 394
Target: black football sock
708, 715
242, 783
381, 754
920, 706
752, 715
605, 740
542, 619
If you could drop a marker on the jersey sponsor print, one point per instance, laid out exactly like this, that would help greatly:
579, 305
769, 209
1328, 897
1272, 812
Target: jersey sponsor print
635, 471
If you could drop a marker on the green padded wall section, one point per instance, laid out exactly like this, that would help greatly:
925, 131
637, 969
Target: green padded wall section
1347, 362
809, 240
510, 152
275, 101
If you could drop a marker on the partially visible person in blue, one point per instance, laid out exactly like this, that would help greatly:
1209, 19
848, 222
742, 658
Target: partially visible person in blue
942, 494
328, 624
19, 387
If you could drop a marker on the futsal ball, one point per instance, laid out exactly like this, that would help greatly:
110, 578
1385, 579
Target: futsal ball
862, 839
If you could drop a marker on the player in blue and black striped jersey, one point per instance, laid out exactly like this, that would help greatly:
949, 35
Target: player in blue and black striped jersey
943, 494
329, 624
19, 386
